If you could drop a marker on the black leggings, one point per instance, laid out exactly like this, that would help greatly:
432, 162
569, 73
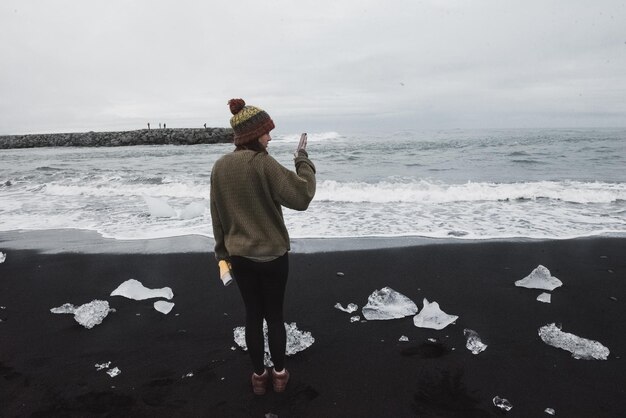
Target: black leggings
262, 286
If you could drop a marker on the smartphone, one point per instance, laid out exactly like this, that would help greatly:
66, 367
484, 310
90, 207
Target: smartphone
301, 144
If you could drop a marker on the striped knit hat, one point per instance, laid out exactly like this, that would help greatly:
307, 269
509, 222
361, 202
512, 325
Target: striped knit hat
248, 122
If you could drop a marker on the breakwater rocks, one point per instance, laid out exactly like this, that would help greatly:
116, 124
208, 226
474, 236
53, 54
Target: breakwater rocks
183, 136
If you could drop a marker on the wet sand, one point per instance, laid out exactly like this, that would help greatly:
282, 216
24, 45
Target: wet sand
353, 369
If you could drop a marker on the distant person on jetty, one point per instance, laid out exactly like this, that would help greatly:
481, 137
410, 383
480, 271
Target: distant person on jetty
248, 190
148, 125
164, 126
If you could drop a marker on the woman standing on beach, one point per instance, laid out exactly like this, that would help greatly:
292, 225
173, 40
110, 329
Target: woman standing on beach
248, 190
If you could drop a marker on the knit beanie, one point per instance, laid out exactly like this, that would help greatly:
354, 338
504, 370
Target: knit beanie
248, 122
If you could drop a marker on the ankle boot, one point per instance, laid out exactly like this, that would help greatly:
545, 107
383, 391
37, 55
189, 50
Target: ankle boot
279, 380
259, 383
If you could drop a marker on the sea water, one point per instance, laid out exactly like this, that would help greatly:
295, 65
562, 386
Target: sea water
467, 184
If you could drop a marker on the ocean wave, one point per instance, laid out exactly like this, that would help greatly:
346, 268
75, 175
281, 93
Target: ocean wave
423, 191
315, 136
177, 190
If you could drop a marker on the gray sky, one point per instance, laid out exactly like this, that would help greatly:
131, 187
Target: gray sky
76, 65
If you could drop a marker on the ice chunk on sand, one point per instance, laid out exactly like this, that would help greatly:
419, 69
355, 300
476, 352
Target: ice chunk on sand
545, 297
193, 210
474, 344
502, 403
550, 411
3, 257
540, 278
92, 313
66, 308
403, 338
163, 306
133, 289
433, 317
88, 315
159, 208
113, 372
103, 366
351, 307
386, 303
297, 340
355, 318
581, 348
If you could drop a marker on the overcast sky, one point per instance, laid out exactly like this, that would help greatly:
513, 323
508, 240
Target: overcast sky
76, 65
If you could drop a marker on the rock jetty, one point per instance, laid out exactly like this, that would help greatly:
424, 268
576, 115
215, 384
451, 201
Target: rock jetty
184, 136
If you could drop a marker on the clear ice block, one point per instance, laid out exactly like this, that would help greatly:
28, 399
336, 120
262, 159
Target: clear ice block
473, 343
386, 303
433, 317
502, 403
540, 278
545, 297
350, 308
3, 257
66, 308
163, 306
581, 348
92, 313
133, 289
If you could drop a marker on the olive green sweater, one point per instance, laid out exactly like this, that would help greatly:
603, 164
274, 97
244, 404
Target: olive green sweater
248, 189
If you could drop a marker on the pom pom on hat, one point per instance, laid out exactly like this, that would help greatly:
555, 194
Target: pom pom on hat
248, 122
236, 105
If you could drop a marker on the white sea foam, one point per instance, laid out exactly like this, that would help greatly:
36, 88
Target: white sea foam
315, 136
423, 191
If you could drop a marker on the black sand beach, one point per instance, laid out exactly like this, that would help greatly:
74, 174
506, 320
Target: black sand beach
352, 370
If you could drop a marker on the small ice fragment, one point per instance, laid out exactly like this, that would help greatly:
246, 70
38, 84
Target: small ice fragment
502, 403
163, 306
340, 274
3, 257
159, 208
613, 298
403, 338
432, 340
351, 307
133, 289
92, 313
64, 309
270, 415
433, 317
545, 297
473, 344
581, 348
103, 366
233, 348
550, 411
113, 372
355, 318
193, 210
190, 374
297, 340
386, 303
540, 278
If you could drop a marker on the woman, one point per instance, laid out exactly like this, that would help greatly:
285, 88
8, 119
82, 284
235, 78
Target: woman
248, 190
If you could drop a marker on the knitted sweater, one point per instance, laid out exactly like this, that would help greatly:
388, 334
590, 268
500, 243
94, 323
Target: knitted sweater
248, 189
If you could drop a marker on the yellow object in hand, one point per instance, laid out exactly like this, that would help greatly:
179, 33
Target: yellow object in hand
225, 274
